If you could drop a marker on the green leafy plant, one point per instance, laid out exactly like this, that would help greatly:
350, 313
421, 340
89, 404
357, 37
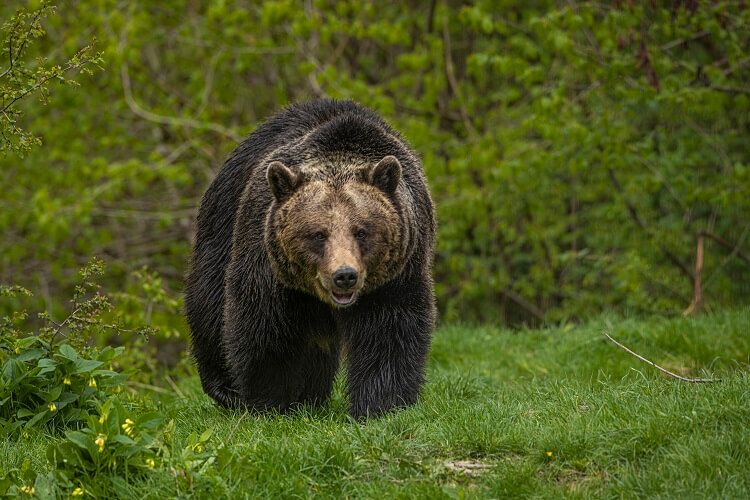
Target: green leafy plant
123, 444
18, 80
116, 446
26, 482
148, 302
51, 383
55, 376
196, 455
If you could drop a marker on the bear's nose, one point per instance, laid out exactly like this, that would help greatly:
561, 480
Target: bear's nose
345, 277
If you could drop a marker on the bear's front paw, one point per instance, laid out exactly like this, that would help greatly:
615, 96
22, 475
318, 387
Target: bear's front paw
366, 407
226, 397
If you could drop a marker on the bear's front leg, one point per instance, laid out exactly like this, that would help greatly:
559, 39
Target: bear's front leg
388, 339
268, 341
271, 368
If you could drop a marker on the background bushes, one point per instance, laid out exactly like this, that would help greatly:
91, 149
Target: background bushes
575, 150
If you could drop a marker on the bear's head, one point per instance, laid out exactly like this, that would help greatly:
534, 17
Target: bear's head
336, 231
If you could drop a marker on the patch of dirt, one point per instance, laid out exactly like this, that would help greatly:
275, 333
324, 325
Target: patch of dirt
578, 480
469, 467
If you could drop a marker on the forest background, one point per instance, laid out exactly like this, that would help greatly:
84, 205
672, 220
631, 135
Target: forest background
577, 151
591, 171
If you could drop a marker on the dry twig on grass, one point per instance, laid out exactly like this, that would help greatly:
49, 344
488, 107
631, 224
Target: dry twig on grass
234, 429
664, 370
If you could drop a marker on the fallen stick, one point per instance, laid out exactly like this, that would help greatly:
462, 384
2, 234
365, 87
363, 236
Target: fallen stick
664, 370
235, 427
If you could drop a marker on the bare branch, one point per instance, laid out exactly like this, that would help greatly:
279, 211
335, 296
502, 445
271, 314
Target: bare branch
729, 89
533, 309
664, 370
735, 252
174, 386
680, 41
641, 224
236, 50
149, 387
452, 79
169, 120
735, 248
696, 305
242, 417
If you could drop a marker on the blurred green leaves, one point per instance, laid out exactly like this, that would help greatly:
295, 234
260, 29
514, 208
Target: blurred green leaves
19, 80
574, 149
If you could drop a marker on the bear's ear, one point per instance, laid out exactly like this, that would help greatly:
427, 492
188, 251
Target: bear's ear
282, 180
386, 174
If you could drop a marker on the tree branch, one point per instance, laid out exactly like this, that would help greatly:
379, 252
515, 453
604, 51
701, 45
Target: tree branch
664, 370
169, 120
734, 248
696, 305
450, 75
528, 306
636, 217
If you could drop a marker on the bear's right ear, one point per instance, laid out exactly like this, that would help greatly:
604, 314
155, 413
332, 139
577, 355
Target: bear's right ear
386, 174
282, 180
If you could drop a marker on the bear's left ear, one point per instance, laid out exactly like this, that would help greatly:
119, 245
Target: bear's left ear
282, 180
386, 174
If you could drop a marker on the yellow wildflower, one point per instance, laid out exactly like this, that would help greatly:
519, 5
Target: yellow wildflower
66, 380
28, 489
128, 427
77, 492
52, 407
150, 462
100, 441
549, 453
92, 382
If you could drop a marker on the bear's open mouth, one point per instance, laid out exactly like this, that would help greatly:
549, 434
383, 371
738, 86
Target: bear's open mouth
343, 298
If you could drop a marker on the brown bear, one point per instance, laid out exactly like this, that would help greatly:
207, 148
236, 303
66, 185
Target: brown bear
314, 242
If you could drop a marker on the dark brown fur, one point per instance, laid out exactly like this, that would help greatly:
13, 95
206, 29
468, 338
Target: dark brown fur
321, 187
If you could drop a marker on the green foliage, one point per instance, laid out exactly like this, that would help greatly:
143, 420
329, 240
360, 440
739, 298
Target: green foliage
196, 458
26, 483
149, 303
115, 447
120, 445
19, 81
51, 384
575, 149
55, 378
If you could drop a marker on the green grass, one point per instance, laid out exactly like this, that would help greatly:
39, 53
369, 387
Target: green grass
500, 401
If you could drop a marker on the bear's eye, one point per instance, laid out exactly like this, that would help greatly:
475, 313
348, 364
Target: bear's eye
361, 234
319, 236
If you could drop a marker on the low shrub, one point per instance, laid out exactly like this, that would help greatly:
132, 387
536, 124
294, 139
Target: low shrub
56, 377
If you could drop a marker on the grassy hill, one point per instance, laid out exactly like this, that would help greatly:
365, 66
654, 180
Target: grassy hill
553, 412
